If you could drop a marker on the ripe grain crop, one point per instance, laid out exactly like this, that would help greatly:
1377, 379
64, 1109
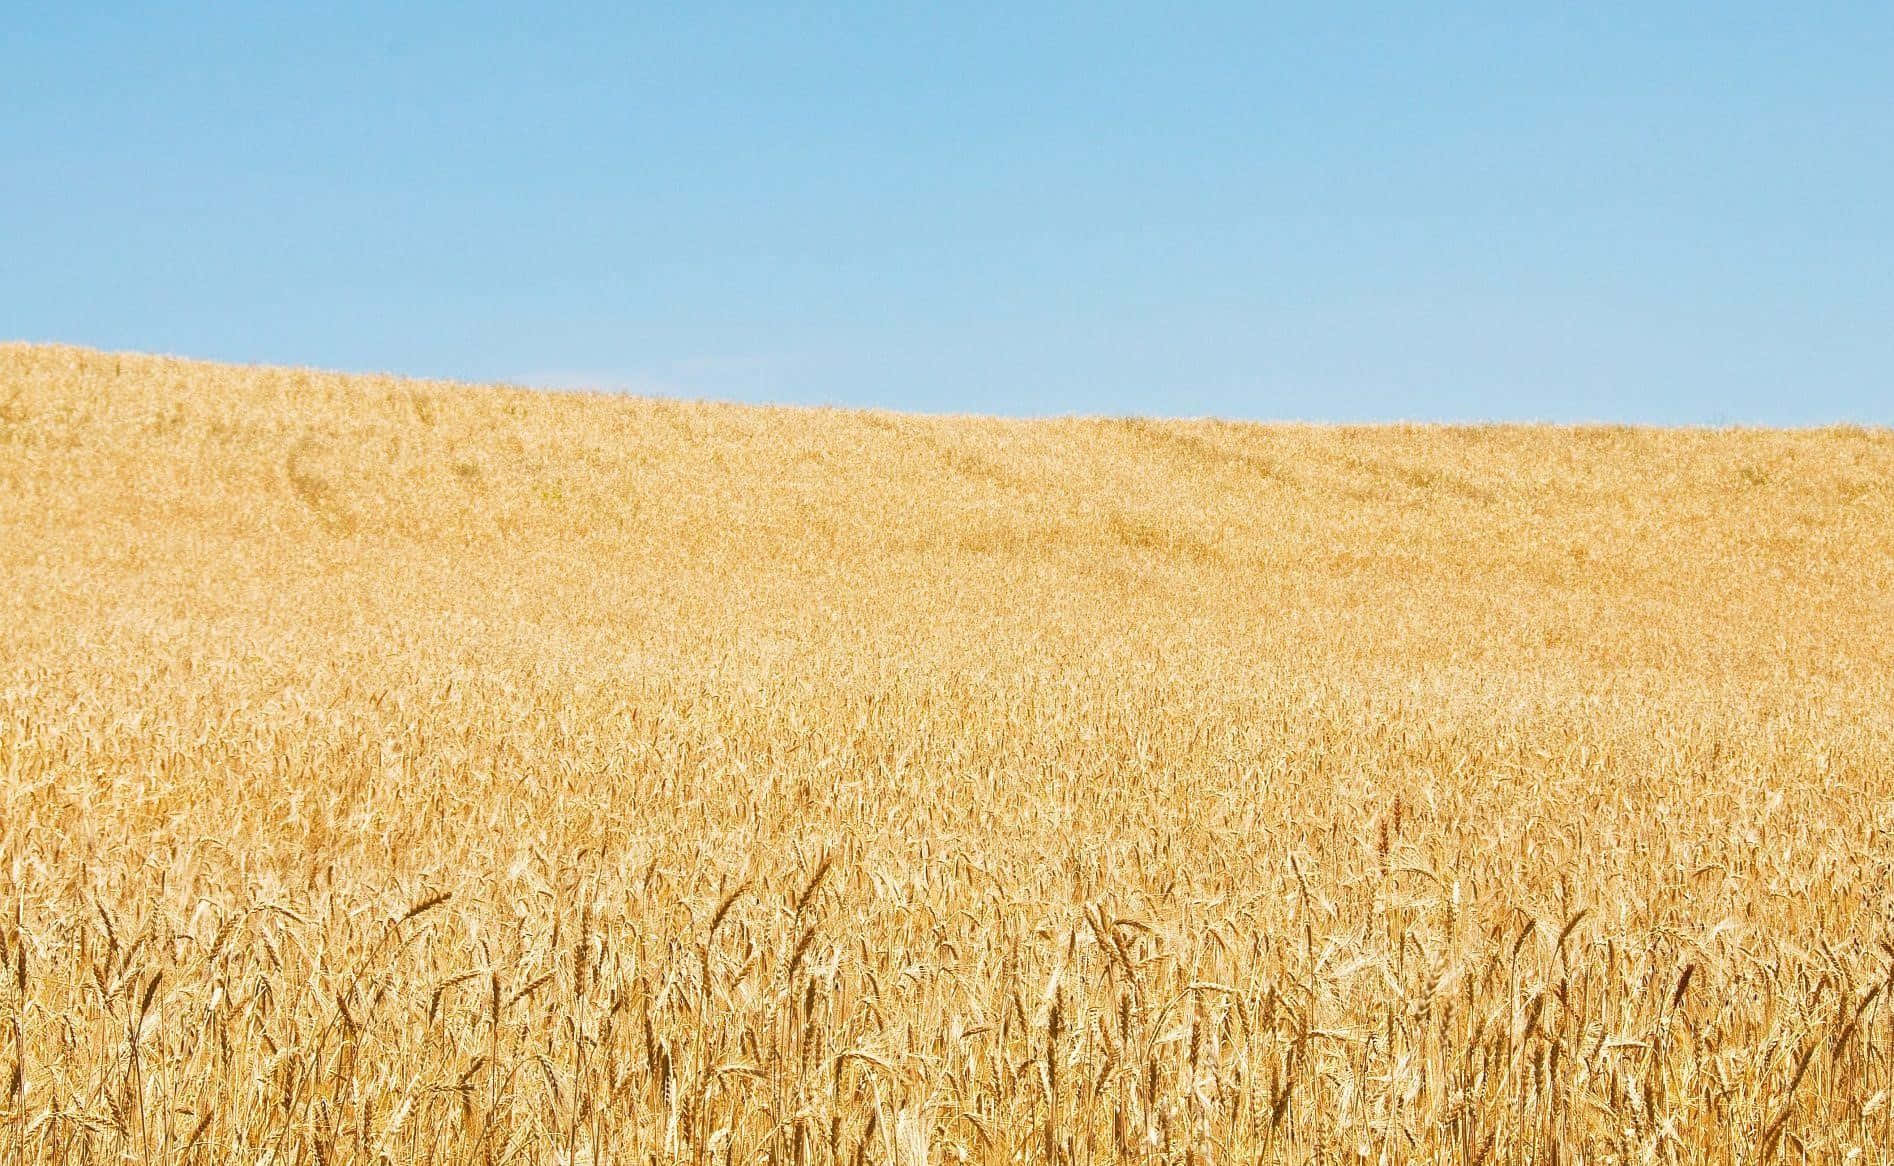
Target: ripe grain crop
413, 772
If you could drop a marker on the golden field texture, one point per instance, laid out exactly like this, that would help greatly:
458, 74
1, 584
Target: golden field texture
413, 772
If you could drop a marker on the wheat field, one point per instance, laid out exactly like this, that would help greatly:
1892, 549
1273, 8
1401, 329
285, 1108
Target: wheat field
401, 771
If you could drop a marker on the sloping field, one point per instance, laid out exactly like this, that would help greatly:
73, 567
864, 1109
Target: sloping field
816, 786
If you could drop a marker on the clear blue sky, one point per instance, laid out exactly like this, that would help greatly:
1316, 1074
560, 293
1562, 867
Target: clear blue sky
1645, 212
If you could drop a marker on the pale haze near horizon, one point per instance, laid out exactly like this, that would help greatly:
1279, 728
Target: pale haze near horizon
1358, 212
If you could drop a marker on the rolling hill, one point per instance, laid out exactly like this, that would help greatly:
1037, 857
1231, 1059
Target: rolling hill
412, 771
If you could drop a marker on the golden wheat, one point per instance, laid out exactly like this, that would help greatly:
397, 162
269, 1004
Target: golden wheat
411, 772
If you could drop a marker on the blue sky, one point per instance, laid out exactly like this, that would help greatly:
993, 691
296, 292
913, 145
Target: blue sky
1639, 212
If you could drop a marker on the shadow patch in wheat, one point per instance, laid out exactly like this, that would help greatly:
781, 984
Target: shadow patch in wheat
960, 461
303, 470
1198, 452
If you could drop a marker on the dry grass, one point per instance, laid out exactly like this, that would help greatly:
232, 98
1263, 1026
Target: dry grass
416, 772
